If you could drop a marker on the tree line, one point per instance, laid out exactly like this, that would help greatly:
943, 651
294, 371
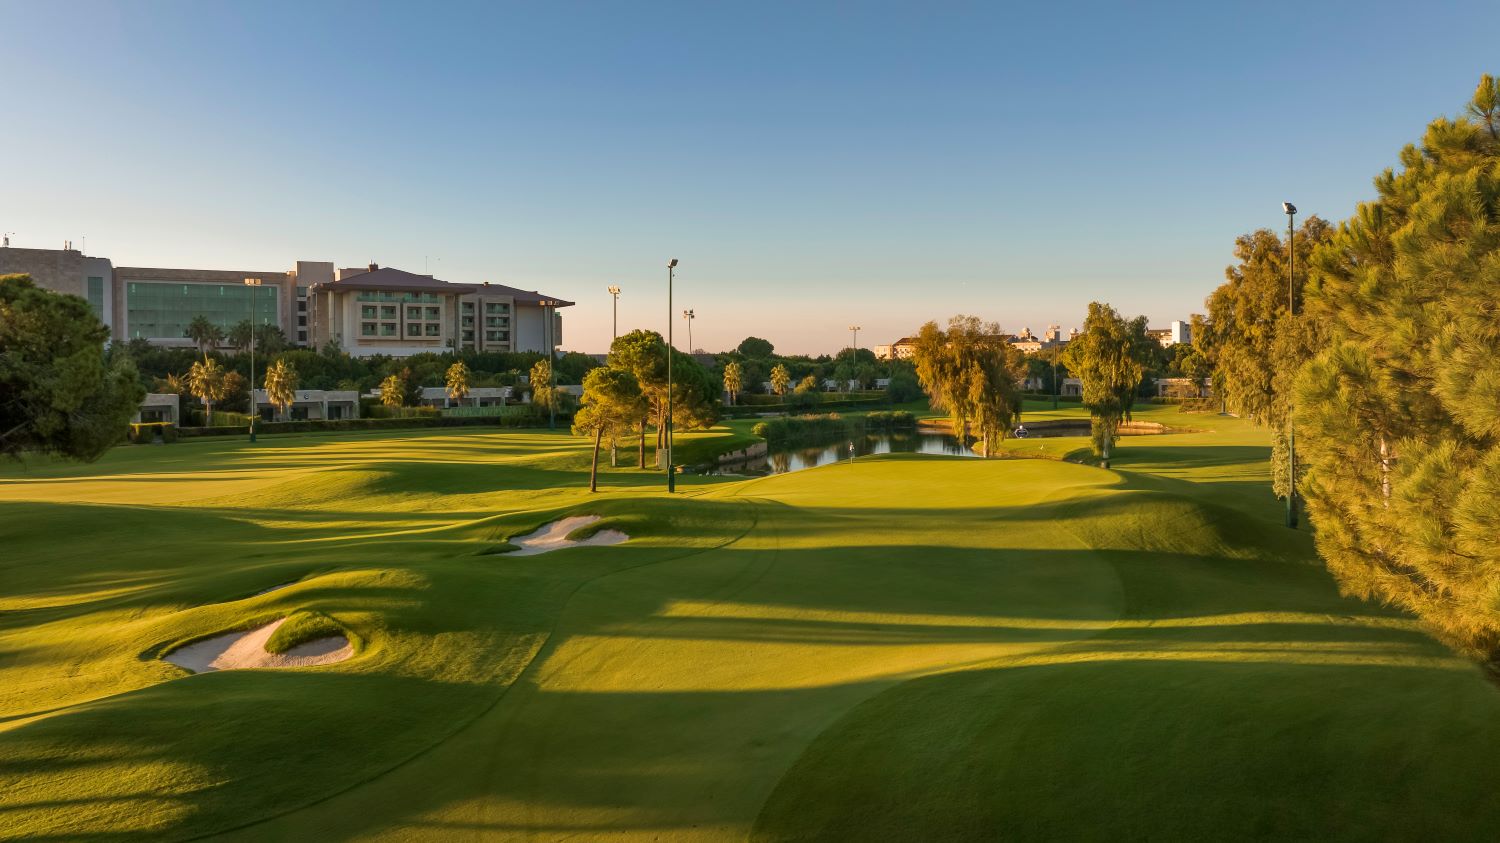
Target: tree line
1386, 363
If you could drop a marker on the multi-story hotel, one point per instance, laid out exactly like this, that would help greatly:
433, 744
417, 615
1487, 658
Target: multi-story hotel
365, 311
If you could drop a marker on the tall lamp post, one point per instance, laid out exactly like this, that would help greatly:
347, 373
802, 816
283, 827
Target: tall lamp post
854, 329
254, 285
1291, 307
549, 309
689, 315
671, 475
614, 293
1056, 387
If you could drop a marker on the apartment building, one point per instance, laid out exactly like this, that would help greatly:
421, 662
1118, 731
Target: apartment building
366, 311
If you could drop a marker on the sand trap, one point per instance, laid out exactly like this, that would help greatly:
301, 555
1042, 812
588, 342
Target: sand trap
239, 650
554, 536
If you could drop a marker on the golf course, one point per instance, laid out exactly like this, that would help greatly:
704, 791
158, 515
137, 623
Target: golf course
898, 647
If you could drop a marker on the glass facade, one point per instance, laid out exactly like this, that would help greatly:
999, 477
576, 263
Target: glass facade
96, 296
163, 310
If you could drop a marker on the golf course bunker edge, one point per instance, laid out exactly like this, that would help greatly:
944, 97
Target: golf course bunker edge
242, 650
554, 536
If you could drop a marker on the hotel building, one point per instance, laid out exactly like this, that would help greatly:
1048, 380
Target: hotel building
365, 311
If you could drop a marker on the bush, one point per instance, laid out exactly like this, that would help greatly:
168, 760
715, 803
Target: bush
890, 420
381, 411
799, 428
145, 433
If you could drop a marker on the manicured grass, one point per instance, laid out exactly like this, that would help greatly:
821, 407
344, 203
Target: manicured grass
899, 648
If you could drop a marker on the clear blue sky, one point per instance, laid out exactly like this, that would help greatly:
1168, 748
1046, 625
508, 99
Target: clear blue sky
812, 165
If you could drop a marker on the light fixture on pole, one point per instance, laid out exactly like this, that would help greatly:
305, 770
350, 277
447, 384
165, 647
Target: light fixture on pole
549, 312
254, 285
1056, 343
689, 315
1291, 307
614, 292
854, 329
671, 475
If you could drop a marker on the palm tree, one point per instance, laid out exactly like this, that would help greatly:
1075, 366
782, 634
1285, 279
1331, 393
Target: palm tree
457, 385
780, 379
733, 379
206, 380
204, 334
281, 386
393, 391
240, 335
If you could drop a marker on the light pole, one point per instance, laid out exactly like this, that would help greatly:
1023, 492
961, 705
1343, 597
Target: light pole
254, 285
549, 308
1291, 307
671, 475
689, 315
1056, 387
854, 329
614, 293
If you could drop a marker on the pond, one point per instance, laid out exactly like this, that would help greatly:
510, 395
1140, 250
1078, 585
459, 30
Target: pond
797, 457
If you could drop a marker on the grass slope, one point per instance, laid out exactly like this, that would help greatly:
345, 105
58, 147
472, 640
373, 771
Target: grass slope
898, 648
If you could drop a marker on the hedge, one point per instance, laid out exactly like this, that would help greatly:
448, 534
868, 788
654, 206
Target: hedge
145, 433
320, 426
741, 411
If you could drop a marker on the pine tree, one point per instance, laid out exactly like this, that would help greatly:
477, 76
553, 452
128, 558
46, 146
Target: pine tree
612, 401
1398, 418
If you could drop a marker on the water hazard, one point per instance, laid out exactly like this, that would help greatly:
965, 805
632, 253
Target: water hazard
797, 457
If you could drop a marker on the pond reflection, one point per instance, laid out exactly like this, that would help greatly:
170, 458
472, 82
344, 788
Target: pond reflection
798, 457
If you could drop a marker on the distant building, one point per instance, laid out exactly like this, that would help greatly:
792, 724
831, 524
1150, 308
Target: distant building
365, 311
902, 349
479, 396
1179, 333
313, 404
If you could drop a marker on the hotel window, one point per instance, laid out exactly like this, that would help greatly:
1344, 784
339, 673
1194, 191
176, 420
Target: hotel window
368, 311
434, 313
96, 296
388, 329
496, 307
367, 329
388, 311
159, 310
414, 313
433, 329
467, 307
468, 337
413, 329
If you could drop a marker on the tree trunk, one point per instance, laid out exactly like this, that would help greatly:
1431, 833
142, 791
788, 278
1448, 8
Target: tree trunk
210, 406
594, 468
640, 461
1385, 473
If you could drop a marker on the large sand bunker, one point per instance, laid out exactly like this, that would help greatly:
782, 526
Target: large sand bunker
239, 650
554, 536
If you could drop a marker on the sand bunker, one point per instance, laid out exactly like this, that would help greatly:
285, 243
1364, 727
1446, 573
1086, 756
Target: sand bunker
239, 650
554, 536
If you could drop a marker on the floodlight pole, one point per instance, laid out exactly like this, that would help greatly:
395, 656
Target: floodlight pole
689, 315
254, 285
854, 329
614, 292
671, 474
549, 310
1291, 306
1056, 387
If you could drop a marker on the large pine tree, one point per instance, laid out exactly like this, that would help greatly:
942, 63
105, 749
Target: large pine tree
1398, 416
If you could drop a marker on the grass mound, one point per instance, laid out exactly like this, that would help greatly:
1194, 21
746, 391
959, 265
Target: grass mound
302, 627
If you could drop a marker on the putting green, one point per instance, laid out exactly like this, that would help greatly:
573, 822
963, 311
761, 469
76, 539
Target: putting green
900, 648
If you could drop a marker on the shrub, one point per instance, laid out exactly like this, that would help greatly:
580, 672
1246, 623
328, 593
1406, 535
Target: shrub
145, 433
799, 428
890, 420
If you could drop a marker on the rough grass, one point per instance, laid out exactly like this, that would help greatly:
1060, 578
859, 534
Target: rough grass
900, 648
301, 628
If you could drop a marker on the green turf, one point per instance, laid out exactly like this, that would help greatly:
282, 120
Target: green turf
903, 647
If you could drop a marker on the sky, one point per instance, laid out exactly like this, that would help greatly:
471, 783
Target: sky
812, 165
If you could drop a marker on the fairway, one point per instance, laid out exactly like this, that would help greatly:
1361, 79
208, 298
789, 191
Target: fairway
901, 647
